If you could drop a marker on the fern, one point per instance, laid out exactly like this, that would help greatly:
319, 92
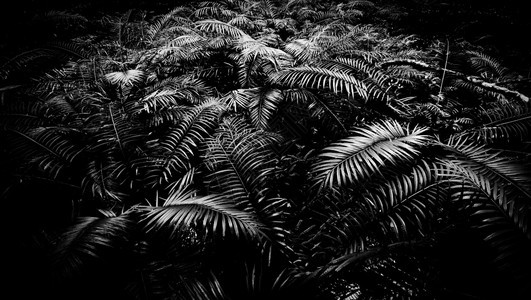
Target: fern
177, 148
90, 240
357, 157
314, 77
214, 214
220, 28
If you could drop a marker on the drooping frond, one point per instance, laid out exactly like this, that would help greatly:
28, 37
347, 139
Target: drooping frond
263, 106
64, 17
23, 114
489, 166
90, 240
408, 203
338, 82
172, 92
242, 22
376, 81
40, 58
252, 49
238, 100
482, 62
475, 80
359, 4
127, 78
239, 162
504, 123
51, 148
495, 193
176, 56
396, 207
177, 148
213, 214
220, 28
193, 40
162, 23
357, 157
304, 50
214, 10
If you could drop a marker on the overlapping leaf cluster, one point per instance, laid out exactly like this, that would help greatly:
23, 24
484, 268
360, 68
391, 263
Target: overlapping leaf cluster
241, 149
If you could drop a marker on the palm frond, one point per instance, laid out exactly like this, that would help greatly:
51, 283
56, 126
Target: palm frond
89, 241
489, 166
213, 214
51, 148
177, 148
505, 123
127, 78
304, 50
238, 100
407, 204
263, 106
316, 78
165, 21
498, 211
242, 22
357, 157
238, 160
482, 62
220, 28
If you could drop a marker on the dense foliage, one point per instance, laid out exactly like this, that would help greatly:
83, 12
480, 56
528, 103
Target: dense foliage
263, 149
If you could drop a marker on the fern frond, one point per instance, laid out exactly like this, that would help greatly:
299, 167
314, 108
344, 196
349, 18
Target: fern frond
303, 50
264, 106
191, 40
177, 148
239, 161
220, 28
89, 241
482, 62
242, 22
51, 148
497, 210
316, 78
64, 16
489, 166
165, 21
357, 157
505, 124
127, 78
213, 214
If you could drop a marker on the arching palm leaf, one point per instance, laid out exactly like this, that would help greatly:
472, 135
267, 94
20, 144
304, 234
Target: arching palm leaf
51, 148
264, 106
90, 240
239, 163
177, 148
314, 77
127, 78
213, 214
218, 27
357, 157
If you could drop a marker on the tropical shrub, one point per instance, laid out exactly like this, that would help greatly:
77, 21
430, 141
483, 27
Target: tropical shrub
260, 149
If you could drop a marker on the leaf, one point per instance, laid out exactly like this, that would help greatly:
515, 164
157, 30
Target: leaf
357, 157
213, 214
127, 78
215, 26
91, 239
321, 78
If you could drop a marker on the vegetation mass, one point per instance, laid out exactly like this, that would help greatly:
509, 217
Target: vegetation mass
245, 149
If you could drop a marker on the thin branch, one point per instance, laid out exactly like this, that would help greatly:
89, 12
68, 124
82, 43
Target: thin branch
470, 78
